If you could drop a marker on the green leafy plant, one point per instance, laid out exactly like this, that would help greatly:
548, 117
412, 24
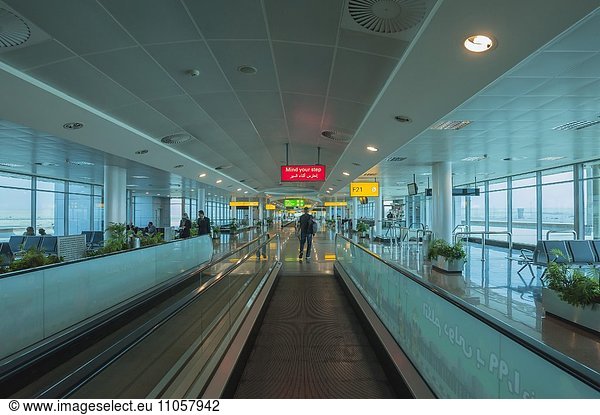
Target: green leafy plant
269, 221
216, 229
33, 258
146, 240
233, 227
362, 227
573, 285
439, 247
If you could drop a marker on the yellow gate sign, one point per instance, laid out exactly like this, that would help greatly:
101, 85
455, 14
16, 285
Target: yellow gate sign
364, 189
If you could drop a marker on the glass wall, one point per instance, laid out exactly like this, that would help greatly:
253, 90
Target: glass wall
498, 197
558, 209
524, 209
591, 199
59, 207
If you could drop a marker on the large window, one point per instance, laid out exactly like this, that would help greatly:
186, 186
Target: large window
558, 212
524, 209
591, 200
498, 209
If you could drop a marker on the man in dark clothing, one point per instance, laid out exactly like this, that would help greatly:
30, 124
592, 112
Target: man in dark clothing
185, 226
306, 232
203, 223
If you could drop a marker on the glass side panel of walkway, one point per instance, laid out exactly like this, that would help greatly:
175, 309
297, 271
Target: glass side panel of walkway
493, 288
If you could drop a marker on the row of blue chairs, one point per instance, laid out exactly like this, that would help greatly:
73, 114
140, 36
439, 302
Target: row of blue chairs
577, 253
93, 239
17, 245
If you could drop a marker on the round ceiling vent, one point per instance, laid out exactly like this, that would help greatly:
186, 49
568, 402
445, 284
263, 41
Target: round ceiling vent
13, 30
387, 16
175, 139
337, 136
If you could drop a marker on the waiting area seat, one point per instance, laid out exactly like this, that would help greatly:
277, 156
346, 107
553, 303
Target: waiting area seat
15, 243
573, 253
93, 239
6, 254
49, 245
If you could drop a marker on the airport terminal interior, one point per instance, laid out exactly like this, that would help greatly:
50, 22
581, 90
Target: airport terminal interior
300, 199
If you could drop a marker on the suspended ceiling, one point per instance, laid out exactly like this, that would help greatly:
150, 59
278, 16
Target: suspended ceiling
133, 72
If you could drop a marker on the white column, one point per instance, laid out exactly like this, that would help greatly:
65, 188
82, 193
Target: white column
261, 209
201, 199
378, 214
233, 209
441, 201
115, 195
354, 212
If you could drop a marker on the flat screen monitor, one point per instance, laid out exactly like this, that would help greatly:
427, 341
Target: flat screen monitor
412, 189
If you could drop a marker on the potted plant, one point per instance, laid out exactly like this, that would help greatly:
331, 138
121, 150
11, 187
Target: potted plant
446, 257
233, 227
269, 222
216, 231
362, 228
572, 293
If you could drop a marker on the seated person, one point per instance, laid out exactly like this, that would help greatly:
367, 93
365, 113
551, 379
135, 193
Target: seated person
29, 231
151, 229
42, 231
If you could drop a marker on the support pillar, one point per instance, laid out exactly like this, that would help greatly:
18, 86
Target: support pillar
115, 195
442, 200
354, 213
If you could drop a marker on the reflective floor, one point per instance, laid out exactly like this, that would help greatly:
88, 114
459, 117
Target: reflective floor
491, 283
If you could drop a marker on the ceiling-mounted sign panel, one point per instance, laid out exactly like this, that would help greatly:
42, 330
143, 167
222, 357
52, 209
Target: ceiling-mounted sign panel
303, 173
292, 203
269, 206
335, 204
243, 204
358, 189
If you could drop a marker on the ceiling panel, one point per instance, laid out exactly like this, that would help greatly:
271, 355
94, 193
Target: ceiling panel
513, 86
153, 21
551, 63
344, 116
373, 43
561, 86
146, 119
364, 82
124, 67
57, 17
180, 109
231, 55
221, 105
288, 20
304, 114
303, 68
179, 58
260, 105
36, 55
231, 19
81, 80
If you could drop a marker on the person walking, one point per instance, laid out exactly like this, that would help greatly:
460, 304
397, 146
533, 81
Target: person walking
203, 223
305, 225
185, 226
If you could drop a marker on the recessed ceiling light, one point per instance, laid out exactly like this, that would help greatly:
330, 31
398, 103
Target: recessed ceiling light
327, 191
73, 125
426, 174
371, 148
219, 181
178, 166
239, 189
402, 118
475, 158
331, 188
193, 190
147, 193
140, 177
141, 152
193, 72
246, 192
478, 43
202, 175
158, 194
79, 163
552, 158
345, 173
10, 165
247, 69
449, 125
132, 185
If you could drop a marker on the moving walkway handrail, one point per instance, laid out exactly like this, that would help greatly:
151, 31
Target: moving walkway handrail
573, 232
550, 355
76, 379
483, 233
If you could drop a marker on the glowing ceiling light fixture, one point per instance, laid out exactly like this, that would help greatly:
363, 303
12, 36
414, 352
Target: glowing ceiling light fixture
373, 149
478, 43
202, 175
239, 189
219, 181
345, 173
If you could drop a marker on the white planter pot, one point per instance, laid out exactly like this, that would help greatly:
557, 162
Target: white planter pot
588, 317
448, 265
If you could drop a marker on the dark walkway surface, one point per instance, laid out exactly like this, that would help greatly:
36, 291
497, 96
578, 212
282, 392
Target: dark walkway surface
311, 344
